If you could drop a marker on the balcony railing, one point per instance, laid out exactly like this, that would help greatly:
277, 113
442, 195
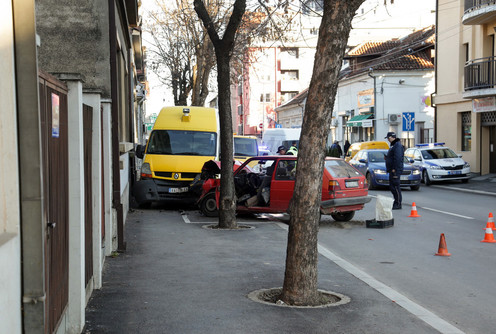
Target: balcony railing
478, 11
470, 5
480, 73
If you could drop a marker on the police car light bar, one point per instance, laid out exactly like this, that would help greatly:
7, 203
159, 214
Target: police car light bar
430, 145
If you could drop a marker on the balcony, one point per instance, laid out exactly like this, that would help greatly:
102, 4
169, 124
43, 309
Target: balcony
480, 78
290, 86
479, 12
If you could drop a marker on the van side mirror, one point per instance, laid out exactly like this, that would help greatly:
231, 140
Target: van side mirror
140, 151
362, 161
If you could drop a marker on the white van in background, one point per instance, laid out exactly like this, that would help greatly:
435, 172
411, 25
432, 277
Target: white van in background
273, 138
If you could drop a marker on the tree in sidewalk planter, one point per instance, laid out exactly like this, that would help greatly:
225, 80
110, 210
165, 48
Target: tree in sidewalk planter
300, 278
223, 52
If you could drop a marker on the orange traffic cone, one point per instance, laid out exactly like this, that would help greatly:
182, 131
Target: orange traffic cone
442, 250
490, 222
414, 213
488, 236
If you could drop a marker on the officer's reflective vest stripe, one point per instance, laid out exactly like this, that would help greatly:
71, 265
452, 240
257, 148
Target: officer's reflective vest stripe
292, 150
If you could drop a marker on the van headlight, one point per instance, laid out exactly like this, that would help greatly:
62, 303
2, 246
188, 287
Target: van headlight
146, 171
380, 171
416, 172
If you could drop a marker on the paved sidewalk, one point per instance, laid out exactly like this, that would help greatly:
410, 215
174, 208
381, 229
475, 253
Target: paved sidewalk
179, 277
485, 185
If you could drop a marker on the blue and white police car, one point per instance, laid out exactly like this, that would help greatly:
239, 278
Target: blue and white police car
438, 163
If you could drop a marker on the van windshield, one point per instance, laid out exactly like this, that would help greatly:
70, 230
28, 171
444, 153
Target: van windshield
179, 142
245, 147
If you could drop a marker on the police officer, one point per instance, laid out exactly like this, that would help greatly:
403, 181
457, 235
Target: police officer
394, 166
292, 149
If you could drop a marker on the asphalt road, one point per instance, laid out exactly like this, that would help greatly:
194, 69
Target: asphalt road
460, 288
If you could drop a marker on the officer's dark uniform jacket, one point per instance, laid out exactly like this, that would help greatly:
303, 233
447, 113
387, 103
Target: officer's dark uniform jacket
394, 158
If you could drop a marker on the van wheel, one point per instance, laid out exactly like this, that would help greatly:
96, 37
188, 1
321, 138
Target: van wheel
369, 181
343, 216
426, 179
208, 205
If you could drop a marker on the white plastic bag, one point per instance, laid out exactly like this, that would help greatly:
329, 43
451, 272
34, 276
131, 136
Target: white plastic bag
384, 208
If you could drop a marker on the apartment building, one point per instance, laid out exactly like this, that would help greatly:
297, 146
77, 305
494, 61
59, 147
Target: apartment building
465, 97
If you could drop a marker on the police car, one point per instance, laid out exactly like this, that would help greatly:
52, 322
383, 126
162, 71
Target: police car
438, 163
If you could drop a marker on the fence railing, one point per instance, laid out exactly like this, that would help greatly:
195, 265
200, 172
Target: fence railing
470, 5
480, 73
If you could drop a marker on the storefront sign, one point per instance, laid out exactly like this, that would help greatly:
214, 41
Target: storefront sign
367, 123
366, 98
485, 104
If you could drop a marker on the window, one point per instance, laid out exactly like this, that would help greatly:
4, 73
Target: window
286, 96
265, 97
291, 52
466, 131
286, 170
290, 75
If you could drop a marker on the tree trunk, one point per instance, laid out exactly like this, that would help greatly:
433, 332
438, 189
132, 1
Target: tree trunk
223, 51
227, 204
300, 279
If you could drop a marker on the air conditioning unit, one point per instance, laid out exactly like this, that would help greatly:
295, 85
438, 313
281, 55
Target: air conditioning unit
394, 118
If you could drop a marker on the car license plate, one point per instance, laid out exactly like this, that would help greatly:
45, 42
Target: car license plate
352, 184
178, 190
455, 172
404, 177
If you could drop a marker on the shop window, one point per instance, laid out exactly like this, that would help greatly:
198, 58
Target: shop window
466, 131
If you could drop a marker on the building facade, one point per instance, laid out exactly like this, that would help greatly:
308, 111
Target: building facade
69, 126
465, 96
384, 86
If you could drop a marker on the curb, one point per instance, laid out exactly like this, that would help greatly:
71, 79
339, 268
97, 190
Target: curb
473, 191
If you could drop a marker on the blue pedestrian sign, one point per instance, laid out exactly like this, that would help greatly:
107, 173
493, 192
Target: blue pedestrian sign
408, 121
278, 126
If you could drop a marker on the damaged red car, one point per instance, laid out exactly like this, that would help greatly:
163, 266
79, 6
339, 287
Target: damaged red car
265, 185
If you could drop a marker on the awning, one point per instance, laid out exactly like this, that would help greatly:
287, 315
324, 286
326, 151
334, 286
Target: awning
357, 120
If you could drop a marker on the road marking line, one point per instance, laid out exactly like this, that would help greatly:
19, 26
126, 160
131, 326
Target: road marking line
420, 312
439, 211
185, 218
446, 213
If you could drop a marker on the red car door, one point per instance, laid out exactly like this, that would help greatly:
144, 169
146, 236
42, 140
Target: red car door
282, 185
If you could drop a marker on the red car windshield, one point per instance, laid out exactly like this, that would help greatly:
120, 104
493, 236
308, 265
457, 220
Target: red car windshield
339, 169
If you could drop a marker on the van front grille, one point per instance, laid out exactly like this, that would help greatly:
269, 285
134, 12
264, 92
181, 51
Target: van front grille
181, 175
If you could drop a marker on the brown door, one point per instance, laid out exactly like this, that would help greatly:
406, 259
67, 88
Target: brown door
53, 117
88, 193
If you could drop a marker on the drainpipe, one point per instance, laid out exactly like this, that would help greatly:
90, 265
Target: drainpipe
116, 181
371, 70
33, 222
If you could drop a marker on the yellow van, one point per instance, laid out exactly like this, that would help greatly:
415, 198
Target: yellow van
364, 145
181, 141
245, 147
